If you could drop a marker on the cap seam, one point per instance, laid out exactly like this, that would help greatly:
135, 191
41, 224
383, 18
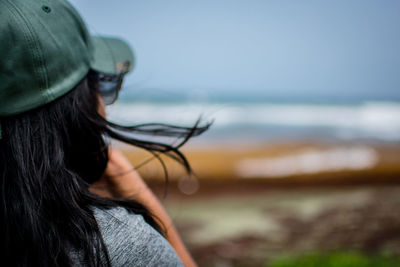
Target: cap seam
49, 93
34, 45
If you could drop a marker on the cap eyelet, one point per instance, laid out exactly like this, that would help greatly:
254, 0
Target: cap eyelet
46, 9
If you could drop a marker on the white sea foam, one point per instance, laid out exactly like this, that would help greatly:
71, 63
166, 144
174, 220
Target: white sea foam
377, 120
309, 162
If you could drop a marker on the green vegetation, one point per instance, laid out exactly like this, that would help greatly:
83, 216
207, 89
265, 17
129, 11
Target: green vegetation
336, 259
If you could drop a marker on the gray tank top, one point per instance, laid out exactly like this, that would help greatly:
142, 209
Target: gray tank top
132, 242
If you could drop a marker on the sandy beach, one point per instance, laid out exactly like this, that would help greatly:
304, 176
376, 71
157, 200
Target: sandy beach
277, 163
250, 204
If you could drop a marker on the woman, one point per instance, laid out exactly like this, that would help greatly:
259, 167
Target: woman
67, 199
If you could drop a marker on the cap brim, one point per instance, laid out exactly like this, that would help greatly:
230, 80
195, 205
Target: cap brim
111, 55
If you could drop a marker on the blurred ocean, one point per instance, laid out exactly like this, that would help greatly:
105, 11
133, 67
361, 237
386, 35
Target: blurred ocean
256, 117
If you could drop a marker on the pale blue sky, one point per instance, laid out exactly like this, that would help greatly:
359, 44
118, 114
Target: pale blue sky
301, 47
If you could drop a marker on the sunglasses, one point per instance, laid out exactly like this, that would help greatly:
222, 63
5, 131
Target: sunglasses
108, 85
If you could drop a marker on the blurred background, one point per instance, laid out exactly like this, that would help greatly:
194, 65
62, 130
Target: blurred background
301, 166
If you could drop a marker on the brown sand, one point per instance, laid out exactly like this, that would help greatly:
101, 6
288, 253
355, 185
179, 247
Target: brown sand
231, 221
213, 162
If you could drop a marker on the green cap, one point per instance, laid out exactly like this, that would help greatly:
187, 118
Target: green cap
46, 51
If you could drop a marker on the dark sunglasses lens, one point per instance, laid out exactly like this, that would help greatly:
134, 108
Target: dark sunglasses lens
109, 90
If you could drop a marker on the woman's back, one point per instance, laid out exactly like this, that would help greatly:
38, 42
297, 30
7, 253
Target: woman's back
131, 241
55, 81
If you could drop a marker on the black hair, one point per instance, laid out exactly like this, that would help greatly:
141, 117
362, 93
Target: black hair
48, 159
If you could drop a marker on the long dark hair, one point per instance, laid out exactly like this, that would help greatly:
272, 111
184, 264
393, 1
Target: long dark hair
48, 159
